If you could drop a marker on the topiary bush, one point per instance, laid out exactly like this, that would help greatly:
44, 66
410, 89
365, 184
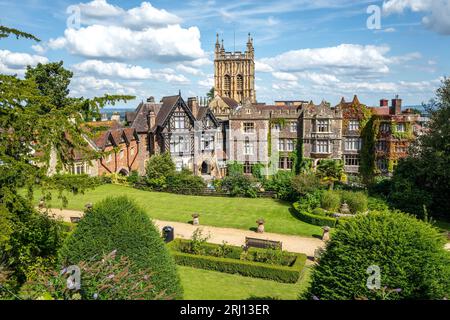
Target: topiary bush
410, 254
330, 201
119, 224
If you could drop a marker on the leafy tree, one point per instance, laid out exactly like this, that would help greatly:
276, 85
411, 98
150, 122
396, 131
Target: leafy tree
424, 177
210, 94
5, 32
158, 168
119, 224
330, 171
32, 129
410, 254
52, 80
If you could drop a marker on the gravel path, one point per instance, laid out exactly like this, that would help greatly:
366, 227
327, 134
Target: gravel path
231, 236
218, 235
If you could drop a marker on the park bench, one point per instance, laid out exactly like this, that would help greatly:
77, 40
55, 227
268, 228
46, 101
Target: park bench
262, 243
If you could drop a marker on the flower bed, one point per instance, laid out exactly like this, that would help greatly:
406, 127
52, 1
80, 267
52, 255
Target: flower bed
269, 264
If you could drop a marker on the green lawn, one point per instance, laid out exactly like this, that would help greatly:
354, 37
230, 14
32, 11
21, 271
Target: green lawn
211, 285
239, 213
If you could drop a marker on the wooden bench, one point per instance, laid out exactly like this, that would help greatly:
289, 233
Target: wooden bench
262, 243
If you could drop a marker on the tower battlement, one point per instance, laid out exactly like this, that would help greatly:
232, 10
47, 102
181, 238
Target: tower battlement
234, 72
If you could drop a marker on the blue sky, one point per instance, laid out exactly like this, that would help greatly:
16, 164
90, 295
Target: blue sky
308, 50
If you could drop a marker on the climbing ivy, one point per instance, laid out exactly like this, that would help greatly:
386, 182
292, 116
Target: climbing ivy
408, 134
369, 134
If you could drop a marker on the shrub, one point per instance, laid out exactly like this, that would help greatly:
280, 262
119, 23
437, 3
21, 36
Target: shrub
377, 204
134, 177
235, 168
240, 185
303, 212
281, 183
185, 182
330, 201
357, 201
158, 168
306, 183
118, 224
410, 254
258, 171
319, 212
110, 278
28, 236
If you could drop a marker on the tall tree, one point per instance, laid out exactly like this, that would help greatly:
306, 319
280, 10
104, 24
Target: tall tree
52, 80
210, 94
426, 172
330, 171
36, 119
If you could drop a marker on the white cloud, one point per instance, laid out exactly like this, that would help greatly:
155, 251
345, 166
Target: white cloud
16, 62
436, 12
190, 70
319, 78
128, 72
90, 86
100, 12
145, 32
345, 58
284, 76
113, 69
262, 67
207, 82
171, 43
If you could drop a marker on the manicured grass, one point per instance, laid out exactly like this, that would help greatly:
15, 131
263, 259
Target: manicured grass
240, 213
211, 285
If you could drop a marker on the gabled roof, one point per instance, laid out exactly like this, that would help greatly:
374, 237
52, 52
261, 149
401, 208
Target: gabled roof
168, 104
204, 112
140, 121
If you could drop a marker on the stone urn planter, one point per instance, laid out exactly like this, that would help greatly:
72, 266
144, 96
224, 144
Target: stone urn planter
344, 209
41, 204
260, 223
326, 233
195, 220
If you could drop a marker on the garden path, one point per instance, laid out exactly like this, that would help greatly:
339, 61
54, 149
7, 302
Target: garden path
218, 235
231, 236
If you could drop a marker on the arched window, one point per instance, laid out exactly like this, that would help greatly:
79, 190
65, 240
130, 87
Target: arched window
240, 82
227, 85
240, 87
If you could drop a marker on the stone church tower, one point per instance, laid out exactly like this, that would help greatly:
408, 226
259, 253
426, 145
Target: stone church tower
234, 72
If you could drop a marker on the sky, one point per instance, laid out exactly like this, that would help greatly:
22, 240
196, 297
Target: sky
304, 50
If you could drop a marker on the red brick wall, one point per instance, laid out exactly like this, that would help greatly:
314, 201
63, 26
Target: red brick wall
127, 158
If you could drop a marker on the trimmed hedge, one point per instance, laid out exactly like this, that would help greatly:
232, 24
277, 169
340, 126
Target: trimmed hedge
286, 274
314, 219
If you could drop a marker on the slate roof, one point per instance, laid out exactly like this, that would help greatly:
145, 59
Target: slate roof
140, 116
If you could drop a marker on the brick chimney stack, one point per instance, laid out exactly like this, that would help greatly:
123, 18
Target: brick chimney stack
193, 105
151, 119
396, 107
384, 103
